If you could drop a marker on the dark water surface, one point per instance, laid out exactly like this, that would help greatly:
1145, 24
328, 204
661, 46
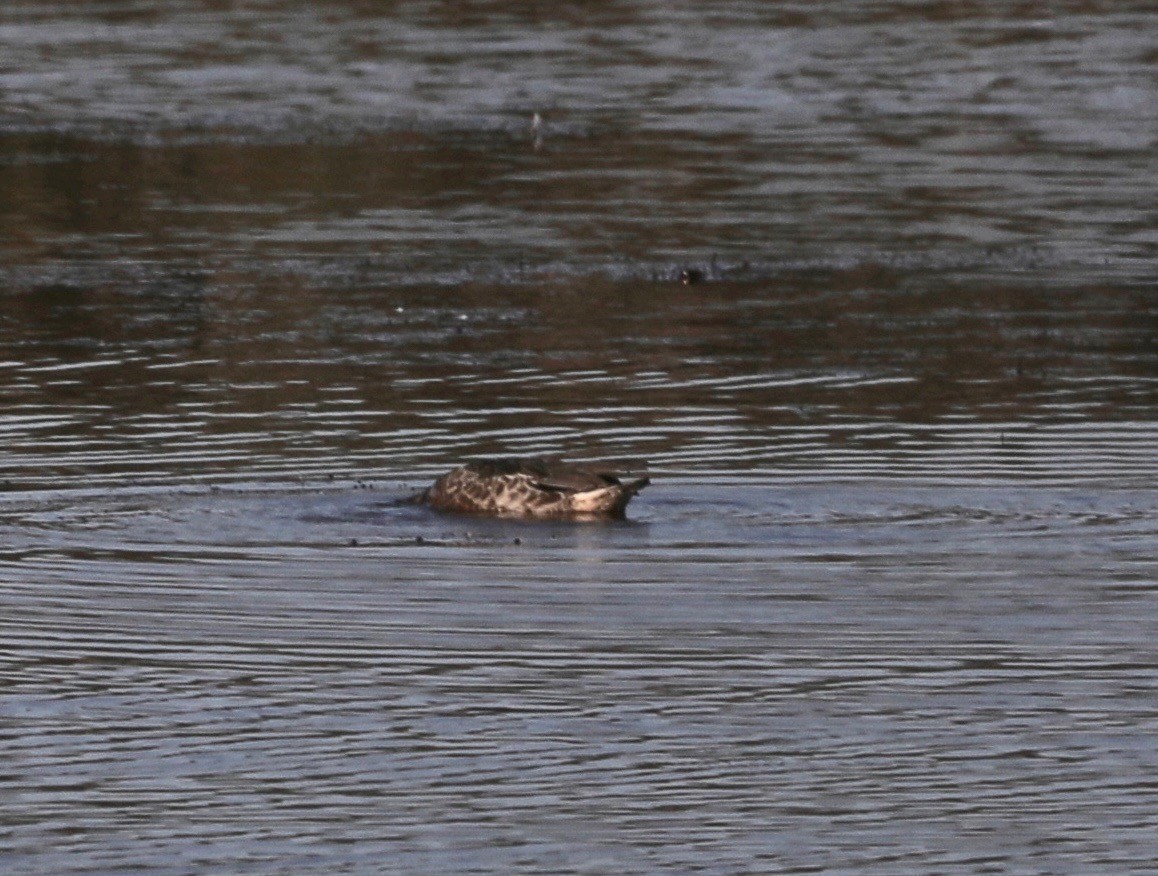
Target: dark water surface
889, 605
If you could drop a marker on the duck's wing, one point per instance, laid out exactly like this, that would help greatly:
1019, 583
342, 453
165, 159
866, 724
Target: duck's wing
575, 478
549, 473
554, 474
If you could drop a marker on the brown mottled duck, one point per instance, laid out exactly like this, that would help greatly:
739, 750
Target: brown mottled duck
543, 487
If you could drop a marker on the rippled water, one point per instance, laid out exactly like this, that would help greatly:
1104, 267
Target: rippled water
889, 604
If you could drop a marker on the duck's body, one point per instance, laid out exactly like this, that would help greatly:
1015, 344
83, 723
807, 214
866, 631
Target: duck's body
538, 487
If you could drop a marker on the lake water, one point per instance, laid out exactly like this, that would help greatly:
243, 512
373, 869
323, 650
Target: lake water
890, 603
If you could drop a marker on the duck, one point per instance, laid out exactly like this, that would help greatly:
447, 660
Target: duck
534, 487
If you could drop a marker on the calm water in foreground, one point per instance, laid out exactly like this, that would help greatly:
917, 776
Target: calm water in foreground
889, 605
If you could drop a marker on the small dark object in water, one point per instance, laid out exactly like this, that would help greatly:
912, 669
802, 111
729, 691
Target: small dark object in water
538, 487
688, 276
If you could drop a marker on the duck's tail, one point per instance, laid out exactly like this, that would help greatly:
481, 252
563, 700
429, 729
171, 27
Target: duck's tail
633, 487
610, 501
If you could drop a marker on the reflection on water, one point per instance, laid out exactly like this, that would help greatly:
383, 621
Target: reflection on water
819, 372
888, 606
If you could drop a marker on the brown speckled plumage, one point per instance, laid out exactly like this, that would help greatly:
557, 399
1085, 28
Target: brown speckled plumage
533, 488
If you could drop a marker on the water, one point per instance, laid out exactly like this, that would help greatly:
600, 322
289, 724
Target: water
889, 603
